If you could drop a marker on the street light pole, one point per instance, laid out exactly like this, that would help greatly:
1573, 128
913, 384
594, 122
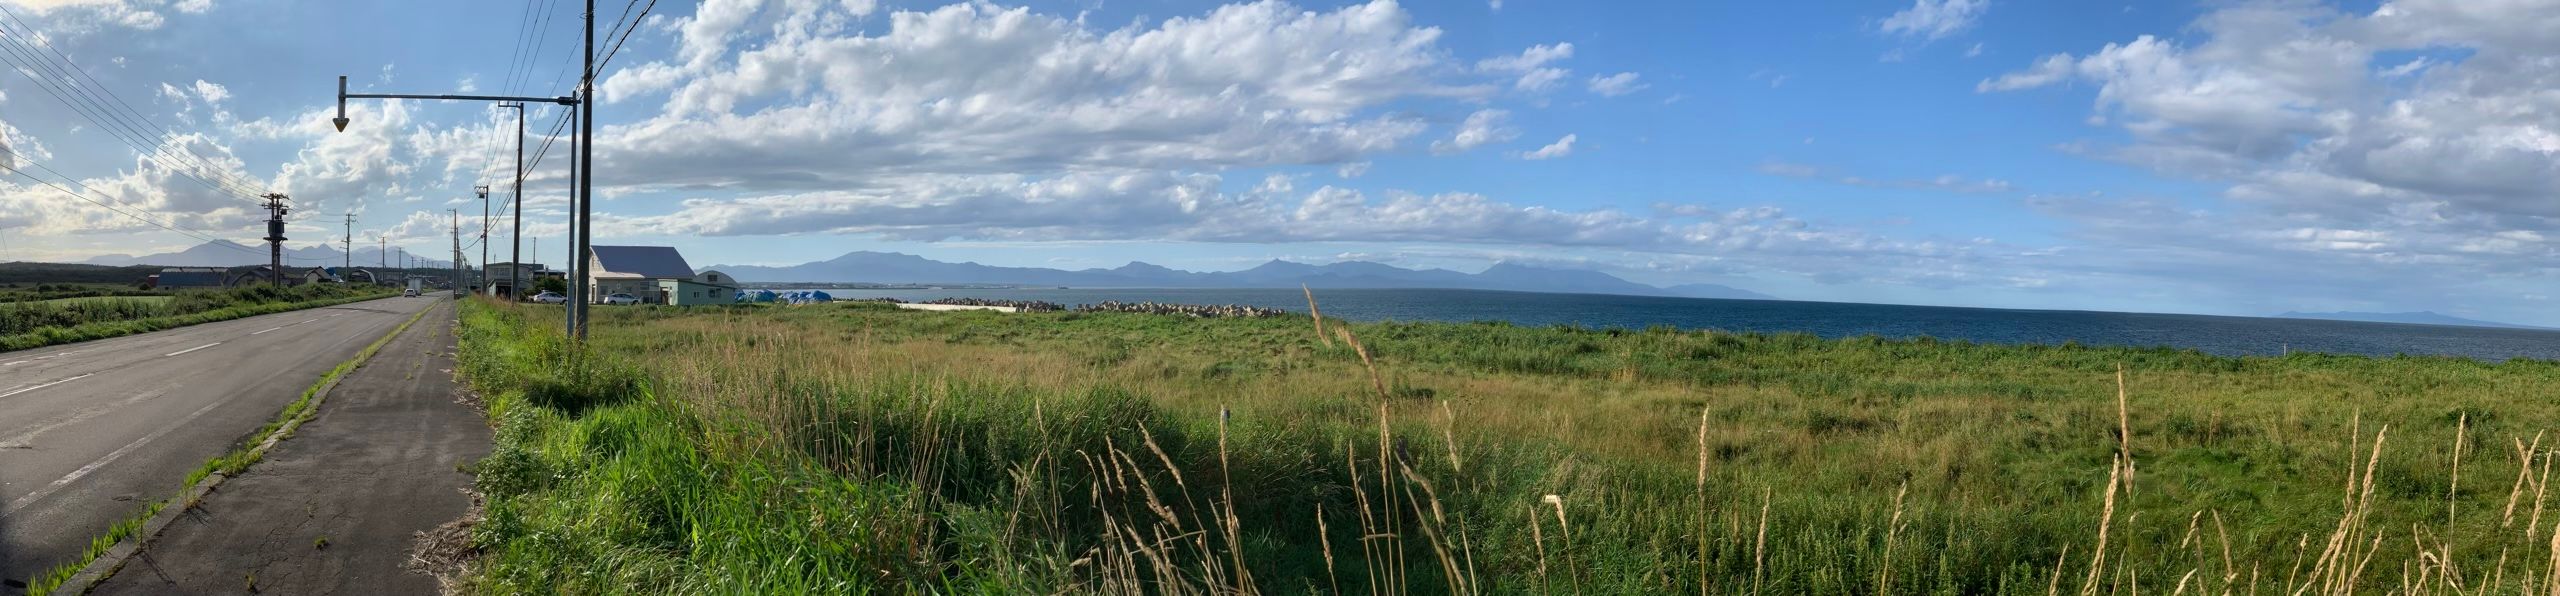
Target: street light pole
585, 95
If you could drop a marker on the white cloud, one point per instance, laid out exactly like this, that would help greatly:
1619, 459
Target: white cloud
1531, 66
211, 92
1935, 19
1974, 51
1562, 147
1616, 84
974, 88
1481, 128
1352, 170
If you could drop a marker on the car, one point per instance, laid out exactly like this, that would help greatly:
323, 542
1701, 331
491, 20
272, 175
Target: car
619, 298
550, 298
409, 293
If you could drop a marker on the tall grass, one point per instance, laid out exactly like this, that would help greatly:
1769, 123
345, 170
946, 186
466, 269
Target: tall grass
35, 324
854, 449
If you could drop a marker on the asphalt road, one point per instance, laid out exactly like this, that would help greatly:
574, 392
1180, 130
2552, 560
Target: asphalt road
89, 432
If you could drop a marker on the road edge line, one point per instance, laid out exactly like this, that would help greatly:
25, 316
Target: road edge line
108, 562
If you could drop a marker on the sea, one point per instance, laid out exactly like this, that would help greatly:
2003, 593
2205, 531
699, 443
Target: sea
2229, 336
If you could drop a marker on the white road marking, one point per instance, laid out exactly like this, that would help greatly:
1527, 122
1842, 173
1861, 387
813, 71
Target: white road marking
310, 321
119, 453
270, 329
191, 349
45, 385
15, 363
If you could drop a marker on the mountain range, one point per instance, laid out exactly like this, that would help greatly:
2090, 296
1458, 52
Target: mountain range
2415, 318
900, 268
225, 253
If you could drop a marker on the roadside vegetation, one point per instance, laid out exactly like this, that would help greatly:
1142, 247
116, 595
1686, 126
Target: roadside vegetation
62, 320
858, 447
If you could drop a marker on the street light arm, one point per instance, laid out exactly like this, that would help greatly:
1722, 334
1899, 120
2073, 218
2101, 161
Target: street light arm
566, 101
343, 96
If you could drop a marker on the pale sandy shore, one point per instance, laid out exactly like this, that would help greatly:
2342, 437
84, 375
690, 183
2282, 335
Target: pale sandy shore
956, 307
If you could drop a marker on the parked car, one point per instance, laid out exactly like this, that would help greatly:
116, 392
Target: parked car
550, 298
619, 298
409, 293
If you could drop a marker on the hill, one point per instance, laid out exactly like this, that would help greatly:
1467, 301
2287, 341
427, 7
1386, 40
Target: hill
886, 267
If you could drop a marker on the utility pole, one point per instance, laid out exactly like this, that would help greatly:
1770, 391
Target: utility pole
586, 174
382, 251
347, 271
275, 237
457, 251
515, 252
484, 237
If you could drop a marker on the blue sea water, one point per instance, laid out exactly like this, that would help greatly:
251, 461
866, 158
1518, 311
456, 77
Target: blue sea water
2232, 336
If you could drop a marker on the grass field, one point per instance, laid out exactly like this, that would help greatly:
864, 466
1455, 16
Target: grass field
45, 322
853, 448
154, 300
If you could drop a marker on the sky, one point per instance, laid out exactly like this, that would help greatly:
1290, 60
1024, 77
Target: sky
2240, 157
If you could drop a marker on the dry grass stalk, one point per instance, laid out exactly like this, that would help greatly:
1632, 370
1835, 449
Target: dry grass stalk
2053, 585
2454, 486
1538, 537
2524, 473
2106, 521
1564, 532
1324, 537
1317, 315
1704, 583
1235, 539
2124, 430
2541, 487
1760, 545
1892, 530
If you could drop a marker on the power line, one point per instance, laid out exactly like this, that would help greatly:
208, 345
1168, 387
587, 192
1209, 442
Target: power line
119, 209
91, 102
63, 65
626, 35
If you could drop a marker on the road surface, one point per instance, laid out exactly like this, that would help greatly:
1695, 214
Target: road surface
89, 432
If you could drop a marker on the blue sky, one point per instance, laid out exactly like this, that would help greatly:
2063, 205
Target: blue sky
2228, 157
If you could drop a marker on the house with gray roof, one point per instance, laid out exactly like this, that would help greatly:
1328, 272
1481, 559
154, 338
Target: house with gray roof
656, 274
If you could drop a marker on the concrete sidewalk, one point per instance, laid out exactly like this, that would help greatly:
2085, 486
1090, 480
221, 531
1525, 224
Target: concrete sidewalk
335, 508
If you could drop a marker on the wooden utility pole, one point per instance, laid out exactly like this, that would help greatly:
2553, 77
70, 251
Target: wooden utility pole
457, 251
275, 237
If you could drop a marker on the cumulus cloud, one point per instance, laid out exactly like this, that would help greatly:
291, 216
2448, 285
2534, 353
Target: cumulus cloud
1935, 19
1562, 147
1481, 128
975, 88
2283, 100
1531, 66
1616, 84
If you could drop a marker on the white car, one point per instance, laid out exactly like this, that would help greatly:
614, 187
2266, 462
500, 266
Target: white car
550, 298
620, 299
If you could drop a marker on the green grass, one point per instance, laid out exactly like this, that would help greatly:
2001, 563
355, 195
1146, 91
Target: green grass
860, 448
117, 532
51, 322
147, 300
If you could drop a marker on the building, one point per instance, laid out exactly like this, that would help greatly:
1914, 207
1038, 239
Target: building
497, 274
708, 287
655, 274
183, 278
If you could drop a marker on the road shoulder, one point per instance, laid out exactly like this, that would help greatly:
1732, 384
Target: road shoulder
334, 509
